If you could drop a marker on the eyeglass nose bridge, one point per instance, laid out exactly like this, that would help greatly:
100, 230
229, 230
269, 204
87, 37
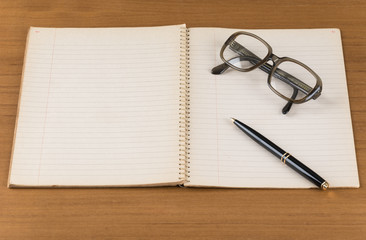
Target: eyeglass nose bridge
274, 58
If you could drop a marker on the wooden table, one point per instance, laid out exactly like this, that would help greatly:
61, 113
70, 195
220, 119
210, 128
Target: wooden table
178, 213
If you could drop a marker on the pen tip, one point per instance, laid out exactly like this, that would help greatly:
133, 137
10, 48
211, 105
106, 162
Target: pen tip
233, 119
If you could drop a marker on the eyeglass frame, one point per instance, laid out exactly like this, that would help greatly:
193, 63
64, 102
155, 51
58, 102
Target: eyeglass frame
271, 70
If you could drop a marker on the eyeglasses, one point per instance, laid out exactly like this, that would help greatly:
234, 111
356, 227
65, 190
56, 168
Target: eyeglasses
284, 73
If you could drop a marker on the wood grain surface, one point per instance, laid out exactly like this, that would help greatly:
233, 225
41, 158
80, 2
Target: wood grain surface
179, 213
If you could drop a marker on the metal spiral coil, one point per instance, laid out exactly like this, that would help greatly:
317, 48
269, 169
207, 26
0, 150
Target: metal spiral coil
184, 107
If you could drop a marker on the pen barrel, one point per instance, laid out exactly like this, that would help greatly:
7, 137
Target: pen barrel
260, 139
305, 171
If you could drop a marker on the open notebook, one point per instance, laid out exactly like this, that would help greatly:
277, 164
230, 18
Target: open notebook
139, 107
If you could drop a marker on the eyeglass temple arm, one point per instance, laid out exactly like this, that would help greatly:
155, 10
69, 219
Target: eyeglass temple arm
279, 74
254, 59
282, 75
288, 106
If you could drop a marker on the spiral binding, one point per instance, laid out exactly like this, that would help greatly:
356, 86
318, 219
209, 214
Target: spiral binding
184, 107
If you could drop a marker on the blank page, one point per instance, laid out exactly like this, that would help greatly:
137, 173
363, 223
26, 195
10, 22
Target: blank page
99, 107
318, 133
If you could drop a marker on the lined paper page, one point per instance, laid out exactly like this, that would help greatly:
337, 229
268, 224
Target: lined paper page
318, 133
99, 107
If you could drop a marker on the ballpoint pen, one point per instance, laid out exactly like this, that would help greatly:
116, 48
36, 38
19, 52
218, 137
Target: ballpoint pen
285, 157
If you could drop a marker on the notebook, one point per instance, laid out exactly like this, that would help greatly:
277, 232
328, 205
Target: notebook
114, 107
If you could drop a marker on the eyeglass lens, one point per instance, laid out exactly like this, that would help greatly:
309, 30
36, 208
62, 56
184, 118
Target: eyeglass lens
289, 76
248, 56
